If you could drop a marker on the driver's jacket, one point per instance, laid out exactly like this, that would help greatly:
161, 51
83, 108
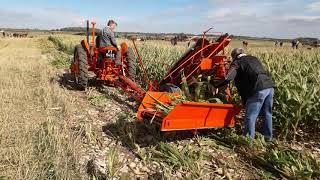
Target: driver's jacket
106, 38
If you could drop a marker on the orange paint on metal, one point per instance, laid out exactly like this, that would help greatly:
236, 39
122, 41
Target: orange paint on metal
187, 115
187, 61
104, 49
85, 45
124, 48
224, 42
206, 64
74, 68
218, 61
149, 101
93, 34
190, 64
131, 88
194, 115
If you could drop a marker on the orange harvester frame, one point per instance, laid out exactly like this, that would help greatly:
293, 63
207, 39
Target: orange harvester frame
204, 56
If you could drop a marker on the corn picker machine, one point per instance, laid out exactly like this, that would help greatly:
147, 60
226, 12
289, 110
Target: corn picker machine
202, 58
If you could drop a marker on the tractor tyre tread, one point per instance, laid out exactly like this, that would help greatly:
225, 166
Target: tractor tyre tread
83, 66
132, 63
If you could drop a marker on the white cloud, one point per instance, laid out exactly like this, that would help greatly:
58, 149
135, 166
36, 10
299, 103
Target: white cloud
232, 17
226, 2
220, 13
281, 19
303, 18
47, 18
313, 7
228, 13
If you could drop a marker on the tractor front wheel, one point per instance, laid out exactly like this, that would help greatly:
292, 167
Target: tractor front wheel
81, 61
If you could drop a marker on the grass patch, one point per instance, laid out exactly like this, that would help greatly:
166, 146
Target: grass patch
112, 162
36, 140
98, 100
186, 159
277, 158
67, 48
59, 62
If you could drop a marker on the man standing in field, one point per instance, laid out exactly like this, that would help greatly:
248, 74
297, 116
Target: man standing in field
256, 89
107, 38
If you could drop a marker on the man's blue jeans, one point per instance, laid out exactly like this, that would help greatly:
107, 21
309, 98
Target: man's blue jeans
260, 103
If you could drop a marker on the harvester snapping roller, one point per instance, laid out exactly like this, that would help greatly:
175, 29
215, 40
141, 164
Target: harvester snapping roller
203, 57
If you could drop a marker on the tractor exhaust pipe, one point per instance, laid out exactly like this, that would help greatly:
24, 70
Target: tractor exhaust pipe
87, 31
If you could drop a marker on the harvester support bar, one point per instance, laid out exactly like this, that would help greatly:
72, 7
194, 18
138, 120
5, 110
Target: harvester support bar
134, 90
210, 56
141, 63
190, 63
186, 61
222, 43
93, 34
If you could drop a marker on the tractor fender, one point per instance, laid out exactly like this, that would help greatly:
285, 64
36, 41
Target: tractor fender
124, 48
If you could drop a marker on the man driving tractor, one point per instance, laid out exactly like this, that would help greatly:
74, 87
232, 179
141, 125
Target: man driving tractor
256, 89
107, 38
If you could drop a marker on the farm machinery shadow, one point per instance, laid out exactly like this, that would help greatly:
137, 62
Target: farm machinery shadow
67, 81
147, 134
143, 134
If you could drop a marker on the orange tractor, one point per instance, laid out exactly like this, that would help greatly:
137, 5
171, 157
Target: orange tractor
86, 56
203, 57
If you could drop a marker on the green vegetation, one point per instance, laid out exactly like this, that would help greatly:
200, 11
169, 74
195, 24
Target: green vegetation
61, 45
277, 157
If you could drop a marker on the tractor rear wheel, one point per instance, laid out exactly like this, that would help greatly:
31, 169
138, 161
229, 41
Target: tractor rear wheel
132, 64
81, 59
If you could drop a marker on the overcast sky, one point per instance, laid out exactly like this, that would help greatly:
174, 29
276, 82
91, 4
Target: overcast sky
263, 18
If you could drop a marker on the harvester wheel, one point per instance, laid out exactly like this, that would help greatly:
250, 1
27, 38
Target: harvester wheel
81, 59
132, 64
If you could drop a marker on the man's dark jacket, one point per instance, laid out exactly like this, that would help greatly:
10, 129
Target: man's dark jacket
249, 76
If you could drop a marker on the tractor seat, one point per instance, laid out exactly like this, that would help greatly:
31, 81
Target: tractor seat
106, 48
101, 48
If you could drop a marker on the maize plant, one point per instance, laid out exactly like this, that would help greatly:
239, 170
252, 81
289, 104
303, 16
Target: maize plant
157, 59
